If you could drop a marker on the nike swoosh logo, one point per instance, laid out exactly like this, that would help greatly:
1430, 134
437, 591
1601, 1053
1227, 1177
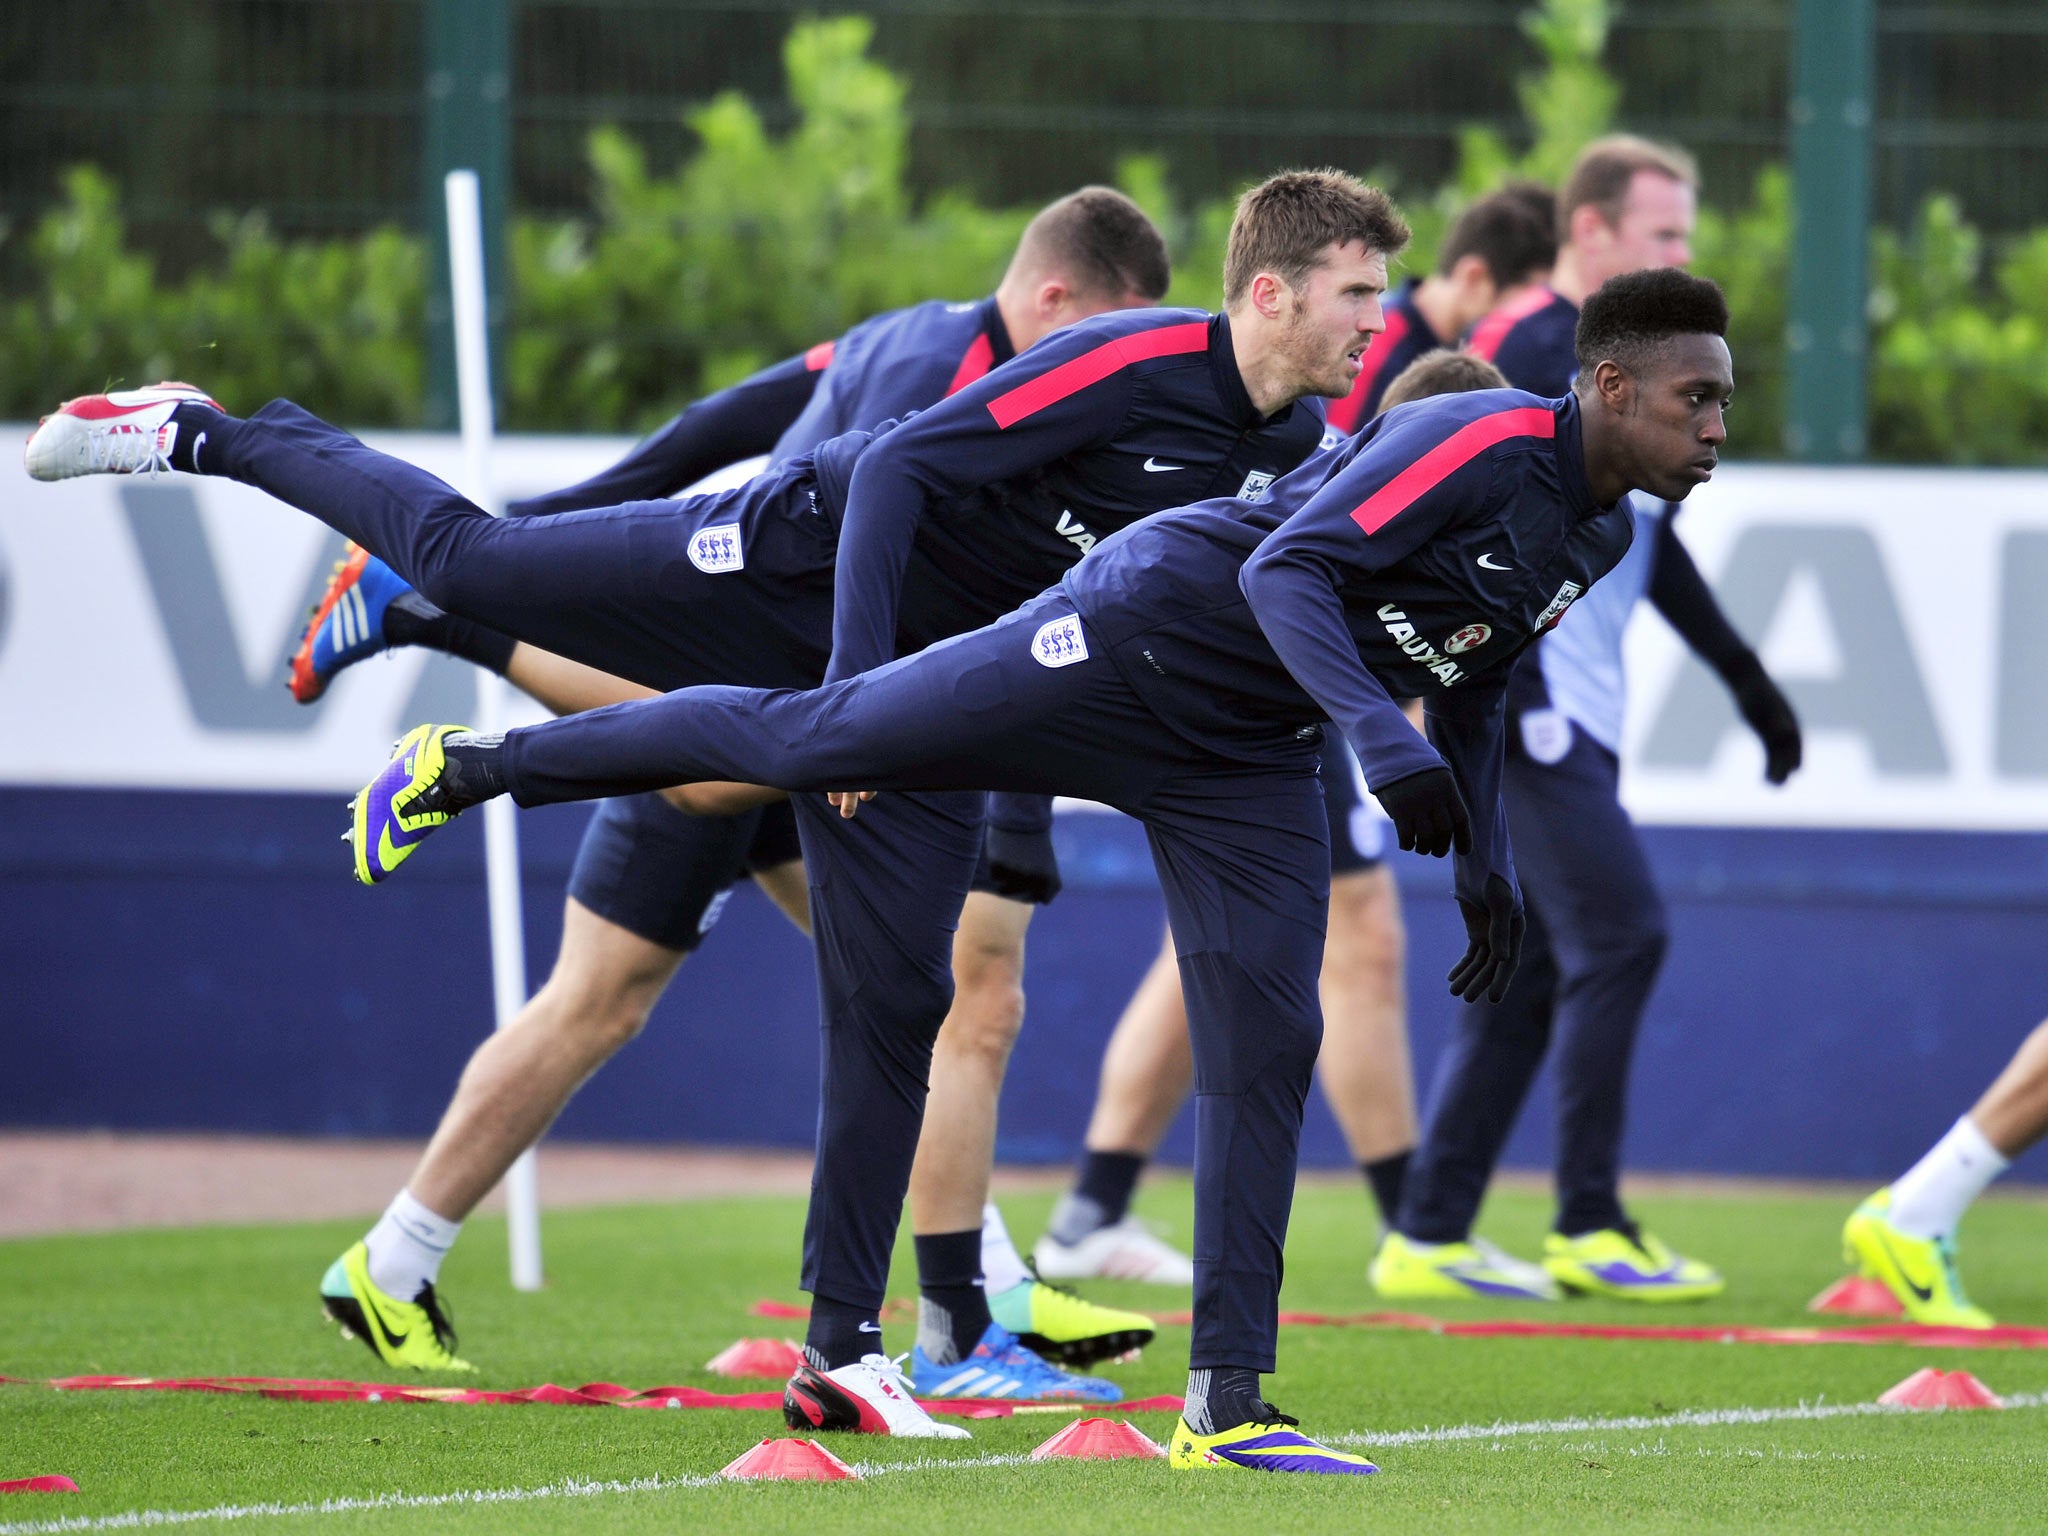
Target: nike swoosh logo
198, 443
396, 1340
1486, 564
1924, 1292
1154, 467
870, 1328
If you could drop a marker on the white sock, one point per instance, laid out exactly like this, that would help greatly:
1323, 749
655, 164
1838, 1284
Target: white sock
1930, 1200
407, 1246
1002, 1267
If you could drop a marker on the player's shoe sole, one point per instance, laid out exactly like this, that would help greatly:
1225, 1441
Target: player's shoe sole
1920, 1272
413, 1335
126, 433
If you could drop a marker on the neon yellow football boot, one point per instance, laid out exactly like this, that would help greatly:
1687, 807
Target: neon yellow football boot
1920, 1271
1265, 1445
1628, 1264
396, 811
1407, 1270
1055, 1323
414, 1334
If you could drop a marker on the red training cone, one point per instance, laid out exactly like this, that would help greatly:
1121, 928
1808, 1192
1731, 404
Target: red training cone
1099, 1440
777, 1358
1941, 1389
1857, 1296
56, 1483
792, 1461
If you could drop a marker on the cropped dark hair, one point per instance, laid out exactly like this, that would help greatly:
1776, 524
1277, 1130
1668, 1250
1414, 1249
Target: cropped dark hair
1442, 372
1503, 230
1286, 223
1628, 318
1101, 241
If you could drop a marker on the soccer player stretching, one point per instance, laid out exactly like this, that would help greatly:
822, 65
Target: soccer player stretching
1182, 674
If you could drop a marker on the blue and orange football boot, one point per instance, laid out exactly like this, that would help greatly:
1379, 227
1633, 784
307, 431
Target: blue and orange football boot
388, 818
347, 623
1271, 1443
999, 1367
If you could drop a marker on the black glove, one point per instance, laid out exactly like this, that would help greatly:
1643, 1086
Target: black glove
1769, 714
1496, 934
1018, 865
1427, 812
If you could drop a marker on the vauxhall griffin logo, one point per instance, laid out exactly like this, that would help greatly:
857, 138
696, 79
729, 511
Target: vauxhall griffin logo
1470, 636
1418, 649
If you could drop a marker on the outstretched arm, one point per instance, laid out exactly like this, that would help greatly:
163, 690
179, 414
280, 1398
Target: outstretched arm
721, 429
1682, 596
1468, 725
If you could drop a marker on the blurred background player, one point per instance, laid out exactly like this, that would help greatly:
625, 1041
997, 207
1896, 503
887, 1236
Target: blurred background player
1596, 922
1148, 1069
649, 878
1905, 1234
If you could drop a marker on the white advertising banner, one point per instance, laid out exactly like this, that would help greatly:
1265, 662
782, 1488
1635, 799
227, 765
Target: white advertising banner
145, 625
1904, 612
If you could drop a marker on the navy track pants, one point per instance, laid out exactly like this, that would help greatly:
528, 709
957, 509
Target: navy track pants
1595, 940
1241, 850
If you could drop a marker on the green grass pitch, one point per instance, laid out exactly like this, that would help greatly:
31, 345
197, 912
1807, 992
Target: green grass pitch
644, 1295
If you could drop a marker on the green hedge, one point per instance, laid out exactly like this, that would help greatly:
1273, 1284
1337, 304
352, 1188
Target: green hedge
758, 245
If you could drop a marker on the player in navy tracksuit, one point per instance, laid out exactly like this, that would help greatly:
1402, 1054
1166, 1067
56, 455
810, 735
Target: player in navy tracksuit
965, 511
1182, 674
1500, 242
1596, 922
648, 878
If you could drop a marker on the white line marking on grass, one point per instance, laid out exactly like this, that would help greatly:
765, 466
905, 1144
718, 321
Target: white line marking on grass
568, 1488
1703, 1418
579, 1488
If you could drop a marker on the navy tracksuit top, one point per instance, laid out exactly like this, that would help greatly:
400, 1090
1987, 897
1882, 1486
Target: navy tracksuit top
886, 366
1417, 558
982, 502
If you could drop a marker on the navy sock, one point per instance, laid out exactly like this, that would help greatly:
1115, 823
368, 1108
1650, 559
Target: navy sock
1386, 1175
1222, 1398
1101, 1195
475, 772
201, 431
840, 1333
410, 619
952, 1312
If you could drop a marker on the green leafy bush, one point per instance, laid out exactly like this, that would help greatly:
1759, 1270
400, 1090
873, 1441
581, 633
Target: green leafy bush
759, 244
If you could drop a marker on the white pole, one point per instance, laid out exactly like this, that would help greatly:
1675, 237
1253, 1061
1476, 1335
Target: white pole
501, 829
